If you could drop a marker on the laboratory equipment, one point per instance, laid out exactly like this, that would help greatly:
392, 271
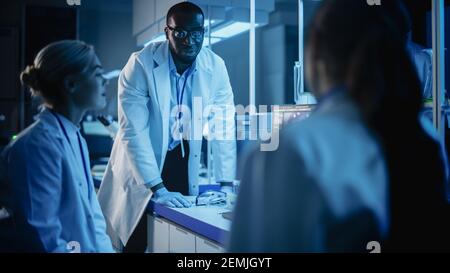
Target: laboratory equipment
298, 82
110, 125
209, 198
284, 114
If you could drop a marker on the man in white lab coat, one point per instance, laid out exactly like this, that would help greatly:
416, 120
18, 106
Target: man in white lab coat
420, 56
156, 83
422, 60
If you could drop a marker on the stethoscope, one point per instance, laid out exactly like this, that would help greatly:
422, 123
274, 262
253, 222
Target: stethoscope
75, 155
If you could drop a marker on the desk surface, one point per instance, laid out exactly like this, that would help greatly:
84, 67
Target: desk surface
205, 221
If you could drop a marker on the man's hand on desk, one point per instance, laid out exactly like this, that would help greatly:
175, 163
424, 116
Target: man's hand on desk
170, 199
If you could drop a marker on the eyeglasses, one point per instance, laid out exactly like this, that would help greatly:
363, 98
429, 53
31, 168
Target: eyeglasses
182, 34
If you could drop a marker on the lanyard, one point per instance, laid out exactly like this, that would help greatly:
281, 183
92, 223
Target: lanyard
71, 147
180, 95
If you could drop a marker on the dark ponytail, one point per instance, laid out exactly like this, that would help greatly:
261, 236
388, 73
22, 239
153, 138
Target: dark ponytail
382, 79
364, 49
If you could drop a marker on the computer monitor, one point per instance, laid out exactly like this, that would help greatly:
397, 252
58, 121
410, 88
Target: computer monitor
98, 140
284, 114
94, 128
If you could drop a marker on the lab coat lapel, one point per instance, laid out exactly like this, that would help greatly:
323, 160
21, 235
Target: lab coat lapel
200, 85
80, 177
162, 83
202, 81
77, 173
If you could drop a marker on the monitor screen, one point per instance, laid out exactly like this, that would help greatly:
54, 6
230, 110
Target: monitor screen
94, 128
285, 114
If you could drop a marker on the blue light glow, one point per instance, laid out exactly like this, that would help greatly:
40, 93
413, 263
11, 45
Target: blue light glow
231, 30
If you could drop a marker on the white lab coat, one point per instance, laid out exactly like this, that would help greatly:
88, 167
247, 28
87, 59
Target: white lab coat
54, 208
422, 60
142, 142
324, 189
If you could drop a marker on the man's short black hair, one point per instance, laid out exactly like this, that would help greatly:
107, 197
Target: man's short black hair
184, 7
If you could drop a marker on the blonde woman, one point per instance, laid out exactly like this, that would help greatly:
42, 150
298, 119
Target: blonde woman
51, 193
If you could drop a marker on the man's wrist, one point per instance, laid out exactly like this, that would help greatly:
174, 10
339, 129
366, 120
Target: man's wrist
157, 187
226, 183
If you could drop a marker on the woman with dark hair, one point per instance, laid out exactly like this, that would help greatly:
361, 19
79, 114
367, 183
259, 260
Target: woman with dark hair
50, 188
361, 168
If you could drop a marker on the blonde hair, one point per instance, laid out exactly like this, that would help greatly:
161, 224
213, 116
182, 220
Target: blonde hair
45, 77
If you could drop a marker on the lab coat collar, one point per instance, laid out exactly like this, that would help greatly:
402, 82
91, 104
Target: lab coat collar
70, 127
337, 100
330, 97
51, 123
162, 84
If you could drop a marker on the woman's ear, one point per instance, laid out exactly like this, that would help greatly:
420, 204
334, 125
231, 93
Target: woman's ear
70, 84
